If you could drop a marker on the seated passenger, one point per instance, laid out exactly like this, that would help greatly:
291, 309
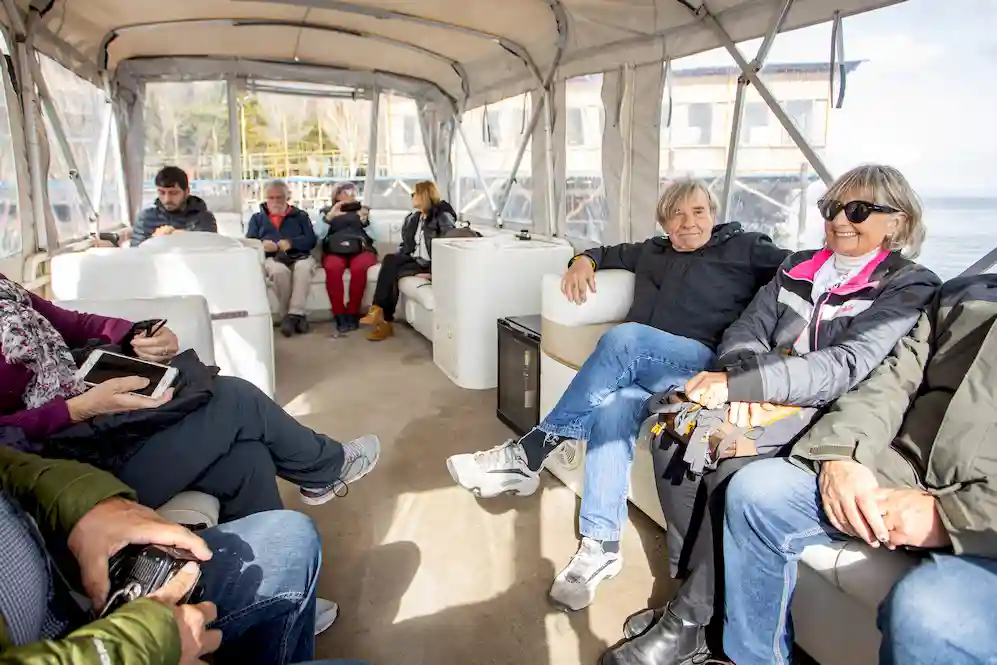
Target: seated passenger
231, 447
176, 209
432, 219
346, 245
288, 240
258, 576
689, 286
820, 327
905, 461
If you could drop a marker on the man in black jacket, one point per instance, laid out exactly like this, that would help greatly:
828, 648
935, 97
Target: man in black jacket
689, 286
175, 209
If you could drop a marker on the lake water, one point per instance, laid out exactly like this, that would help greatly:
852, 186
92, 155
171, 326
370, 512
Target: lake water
957, 236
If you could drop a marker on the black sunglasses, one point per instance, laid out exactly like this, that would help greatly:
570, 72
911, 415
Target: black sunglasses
855, 211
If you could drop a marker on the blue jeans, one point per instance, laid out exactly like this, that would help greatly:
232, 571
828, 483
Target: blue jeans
605, 404
939, 612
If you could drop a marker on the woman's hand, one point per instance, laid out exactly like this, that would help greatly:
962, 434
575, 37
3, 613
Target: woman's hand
749, 414
708, 389
364, 213
579, 280
848, 493
114, 396
335, 211
159, 348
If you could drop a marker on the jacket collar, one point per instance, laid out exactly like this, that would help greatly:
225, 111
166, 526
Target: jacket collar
807, 270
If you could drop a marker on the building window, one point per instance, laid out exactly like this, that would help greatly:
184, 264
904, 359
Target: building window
574, 127
755, 124
700, 120
802, 113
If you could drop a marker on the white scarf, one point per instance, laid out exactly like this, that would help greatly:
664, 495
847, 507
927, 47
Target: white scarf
28, 338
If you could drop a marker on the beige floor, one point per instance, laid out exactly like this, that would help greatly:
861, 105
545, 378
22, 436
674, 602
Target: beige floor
424, 573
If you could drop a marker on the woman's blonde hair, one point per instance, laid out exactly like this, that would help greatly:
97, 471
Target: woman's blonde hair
428, 189
885, 185
678, 192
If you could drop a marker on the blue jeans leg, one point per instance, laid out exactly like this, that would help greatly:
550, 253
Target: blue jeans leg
631, 354
941, 613
609, 455
773, 512
262, 578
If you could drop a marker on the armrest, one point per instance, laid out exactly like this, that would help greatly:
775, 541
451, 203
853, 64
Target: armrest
570, 332
187, 316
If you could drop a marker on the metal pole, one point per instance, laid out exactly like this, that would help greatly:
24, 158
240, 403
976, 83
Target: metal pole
477, 173
777, 23
733, 147
370, 178
763, 92
103, 144
549, 149
520, 152
801, 222
232, 89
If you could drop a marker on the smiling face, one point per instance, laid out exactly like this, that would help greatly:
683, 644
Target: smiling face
857, 238
689, 222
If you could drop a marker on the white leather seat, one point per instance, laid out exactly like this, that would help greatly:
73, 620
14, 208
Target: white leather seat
189, 319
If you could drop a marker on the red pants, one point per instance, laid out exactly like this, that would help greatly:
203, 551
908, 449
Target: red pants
334, 267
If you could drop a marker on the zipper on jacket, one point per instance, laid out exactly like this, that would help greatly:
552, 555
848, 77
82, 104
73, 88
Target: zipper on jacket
815, 319
906, 456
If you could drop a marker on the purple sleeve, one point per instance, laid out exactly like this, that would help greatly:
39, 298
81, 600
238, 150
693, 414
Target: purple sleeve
77, 328
40, 422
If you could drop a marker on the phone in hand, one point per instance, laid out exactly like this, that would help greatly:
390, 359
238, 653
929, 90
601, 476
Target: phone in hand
103, 366
351, 206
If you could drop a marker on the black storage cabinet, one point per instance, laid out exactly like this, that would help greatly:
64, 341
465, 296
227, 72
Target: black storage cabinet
519, 372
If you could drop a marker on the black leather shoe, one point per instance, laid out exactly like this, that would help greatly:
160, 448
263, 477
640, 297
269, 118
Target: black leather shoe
352, 321
301, 325
637, 624
666, 642
288, 326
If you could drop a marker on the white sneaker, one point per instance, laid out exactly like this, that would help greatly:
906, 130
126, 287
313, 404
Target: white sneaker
497, 471
574, 587
326, 612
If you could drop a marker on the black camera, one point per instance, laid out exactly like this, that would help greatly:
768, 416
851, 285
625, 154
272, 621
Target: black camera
139, 570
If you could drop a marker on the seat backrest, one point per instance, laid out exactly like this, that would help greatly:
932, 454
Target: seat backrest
187, 316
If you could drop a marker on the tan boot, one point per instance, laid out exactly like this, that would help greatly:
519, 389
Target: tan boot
381, 332
375, 316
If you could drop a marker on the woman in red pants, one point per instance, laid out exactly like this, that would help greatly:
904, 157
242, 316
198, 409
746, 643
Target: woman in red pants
346, 246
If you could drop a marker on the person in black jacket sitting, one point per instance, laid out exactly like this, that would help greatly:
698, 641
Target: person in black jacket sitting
433, 218
689, 286
288, 240
346, 245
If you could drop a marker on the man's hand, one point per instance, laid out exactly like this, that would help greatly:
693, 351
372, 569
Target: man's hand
192, 620
848, 492
159, 348
579, 280
708, 389
113, 524
114, 396
269, 246
284, 244
163, 230
912, 517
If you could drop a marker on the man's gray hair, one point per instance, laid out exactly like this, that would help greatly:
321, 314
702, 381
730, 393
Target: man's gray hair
678, 192
277, 183
885, 185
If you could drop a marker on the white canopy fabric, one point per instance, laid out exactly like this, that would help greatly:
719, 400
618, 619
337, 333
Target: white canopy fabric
470, 51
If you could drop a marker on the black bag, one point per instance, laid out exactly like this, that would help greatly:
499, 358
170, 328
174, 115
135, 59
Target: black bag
348, 242
290, 257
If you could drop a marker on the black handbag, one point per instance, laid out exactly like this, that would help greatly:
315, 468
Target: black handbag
347, 242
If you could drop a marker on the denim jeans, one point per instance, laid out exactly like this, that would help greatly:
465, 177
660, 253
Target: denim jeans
939, 612
605, 404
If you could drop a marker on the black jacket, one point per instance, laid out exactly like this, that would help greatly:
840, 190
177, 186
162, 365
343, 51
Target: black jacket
194, 216
347, 225
695, 294
108, 441
441, 219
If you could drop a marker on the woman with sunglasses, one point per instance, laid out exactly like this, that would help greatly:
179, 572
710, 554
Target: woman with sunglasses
813, 333
433, 218
346, 246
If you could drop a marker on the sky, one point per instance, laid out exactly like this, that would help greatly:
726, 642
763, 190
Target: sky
923, 100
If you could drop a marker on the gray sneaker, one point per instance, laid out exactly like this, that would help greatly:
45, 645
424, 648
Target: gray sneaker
574, 587
361, 456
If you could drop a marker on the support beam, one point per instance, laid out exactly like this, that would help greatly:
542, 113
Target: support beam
801, 142
734, 146
103, 144
520, 152
371, 177
233, 91
477, 172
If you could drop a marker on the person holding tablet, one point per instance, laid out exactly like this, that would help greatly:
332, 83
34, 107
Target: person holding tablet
231, 447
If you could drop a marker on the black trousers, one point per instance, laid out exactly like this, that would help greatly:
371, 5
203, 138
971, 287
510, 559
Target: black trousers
393, 268
694, 509
233, 448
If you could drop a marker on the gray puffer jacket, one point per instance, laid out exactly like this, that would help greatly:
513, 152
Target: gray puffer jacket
194, 216
788, 349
